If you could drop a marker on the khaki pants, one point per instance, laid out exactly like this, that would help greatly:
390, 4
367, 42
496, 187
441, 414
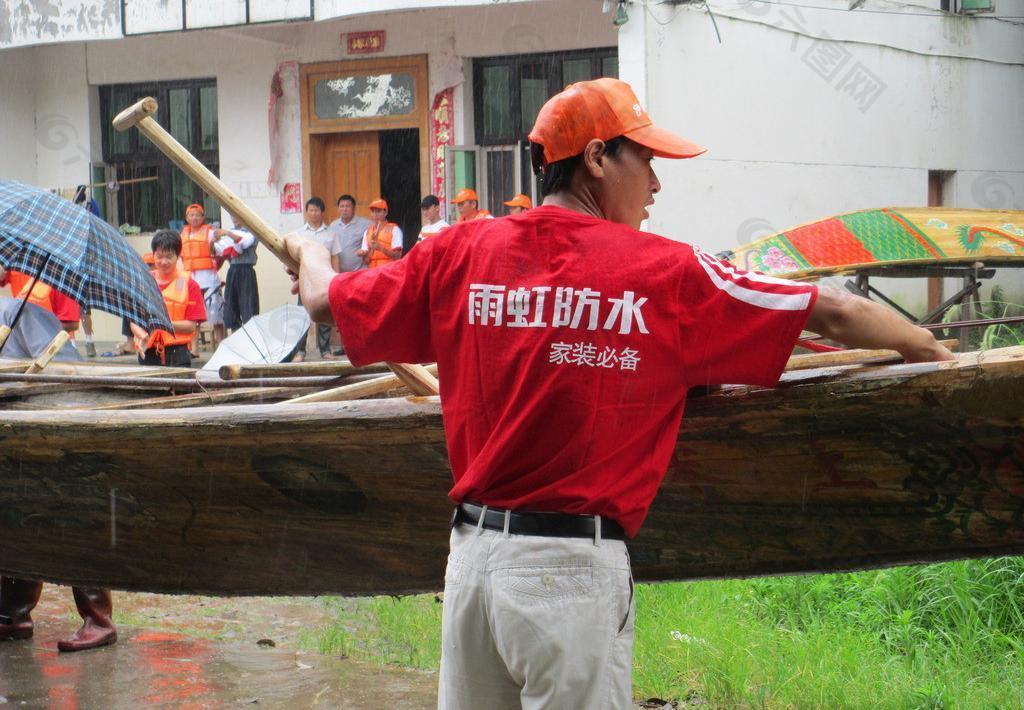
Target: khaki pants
536, 622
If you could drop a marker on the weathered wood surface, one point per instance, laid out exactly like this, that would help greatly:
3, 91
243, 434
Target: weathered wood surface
295, 369
840, 468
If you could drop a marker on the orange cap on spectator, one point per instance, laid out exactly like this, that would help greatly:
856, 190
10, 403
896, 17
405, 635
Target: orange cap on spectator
520, 200
602, 109
194, 207
379, 204
465, 194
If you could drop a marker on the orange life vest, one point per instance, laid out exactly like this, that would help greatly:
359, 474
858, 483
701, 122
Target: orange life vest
480, 214
176, 299
384, 233
195, 249
40, 294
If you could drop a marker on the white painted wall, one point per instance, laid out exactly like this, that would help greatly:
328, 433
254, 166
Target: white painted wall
63, 133
17, 115
787, 143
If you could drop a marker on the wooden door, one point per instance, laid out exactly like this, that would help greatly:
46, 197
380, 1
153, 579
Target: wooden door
346, 163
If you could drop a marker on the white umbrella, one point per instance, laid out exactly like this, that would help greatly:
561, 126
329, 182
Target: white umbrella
263, 339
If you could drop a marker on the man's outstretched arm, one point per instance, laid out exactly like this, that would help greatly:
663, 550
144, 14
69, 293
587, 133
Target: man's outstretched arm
314, 277
859, 323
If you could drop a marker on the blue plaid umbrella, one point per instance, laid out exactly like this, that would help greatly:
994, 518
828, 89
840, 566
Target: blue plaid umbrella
78, 254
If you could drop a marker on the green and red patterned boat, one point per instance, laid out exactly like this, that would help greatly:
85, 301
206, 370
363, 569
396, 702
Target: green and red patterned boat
888, 237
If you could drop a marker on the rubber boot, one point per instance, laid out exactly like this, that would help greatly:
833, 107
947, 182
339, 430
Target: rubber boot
18, 597
96, 608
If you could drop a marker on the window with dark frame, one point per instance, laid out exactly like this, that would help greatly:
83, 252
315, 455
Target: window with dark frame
508, 91
188, 111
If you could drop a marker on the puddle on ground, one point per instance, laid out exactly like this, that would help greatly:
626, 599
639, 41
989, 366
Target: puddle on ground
218, 663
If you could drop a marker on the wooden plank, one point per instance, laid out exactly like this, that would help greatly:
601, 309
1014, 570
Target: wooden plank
295, 369
168, 382
10, 390
198, 399
852, 357
359, 390
836, 469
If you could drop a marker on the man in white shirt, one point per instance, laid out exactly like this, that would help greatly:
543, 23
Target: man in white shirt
430, 208
315, 229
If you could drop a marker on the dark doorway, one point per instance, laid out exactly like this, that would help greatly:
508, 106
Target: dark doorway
400, 180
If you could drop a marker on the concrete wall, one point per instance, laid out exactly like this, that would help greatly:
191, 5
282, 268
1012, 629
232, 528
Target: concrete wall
17, 115
809, 113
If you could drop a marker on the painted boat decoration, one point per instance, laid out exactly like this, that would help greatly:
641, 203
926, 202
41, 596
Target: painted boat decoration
887, 237
839, 468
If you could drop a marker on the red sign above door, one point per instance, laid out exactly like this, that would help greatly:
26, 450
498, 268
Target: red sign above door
365, 42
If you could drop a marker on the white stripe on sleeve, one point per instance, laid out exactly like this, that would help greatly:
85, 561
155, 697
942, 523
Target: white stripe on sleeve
729, 282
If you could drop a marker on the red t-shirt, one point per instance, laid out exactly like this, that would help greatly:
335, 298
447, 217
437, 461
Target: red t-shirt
565, 347
60, 305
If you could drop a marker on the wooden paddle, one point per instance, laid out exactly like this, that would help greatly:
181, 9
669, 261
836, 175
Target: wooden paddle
48, 354
415, 377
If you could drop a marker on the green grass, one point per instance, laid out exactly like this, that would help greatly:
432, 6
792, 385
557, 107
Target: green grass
936, 636
388, 630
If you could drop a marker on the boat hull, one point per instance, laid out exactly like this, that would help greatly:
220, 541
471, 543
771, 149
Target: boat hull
837, 469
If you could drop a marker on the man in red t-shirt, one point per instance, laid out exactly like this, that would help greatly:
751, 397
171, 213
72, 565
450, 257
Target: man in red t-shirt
564, 370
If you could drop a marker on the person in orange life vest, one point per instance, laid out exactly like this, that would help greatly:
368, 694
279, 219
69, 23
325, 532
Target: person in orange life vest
538, 605
184, 301
18, 597
519, 204
382, 241
197, 255
468, 204
66, 310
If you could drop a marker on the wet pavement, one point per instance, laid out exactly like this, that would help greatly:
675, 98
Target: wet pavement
236, 652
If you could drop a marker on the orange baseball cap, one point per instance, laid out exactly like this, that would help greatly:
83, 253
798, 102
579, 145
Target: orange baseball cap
465, 194
602, 109
194, 207
520, 200
379, 204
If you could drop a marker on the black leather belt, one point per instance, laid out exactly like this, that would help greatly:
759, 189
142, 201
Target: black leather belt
543, 524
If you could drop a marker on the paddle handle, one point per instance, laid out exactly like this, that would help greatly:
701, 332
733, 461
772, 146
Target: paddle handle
140, 115
48, 354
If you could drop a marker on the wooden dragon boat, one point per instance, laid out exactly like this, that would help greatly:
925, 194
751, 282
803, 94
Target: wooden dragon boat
843, 467
888, 237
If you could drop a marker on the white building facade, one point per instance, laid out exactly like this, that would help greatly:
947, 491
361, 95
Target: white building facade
808, 109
